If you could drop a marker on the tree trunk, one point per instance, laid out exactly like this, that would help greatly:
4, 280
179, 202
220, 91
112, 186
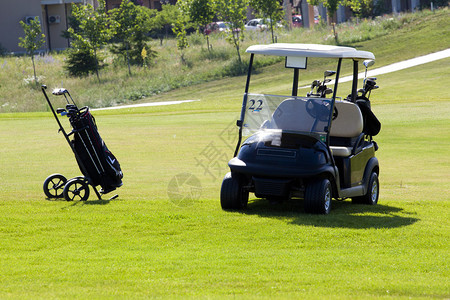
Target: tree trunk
96, 65
34, 69
128, 59
237, 49
271, 29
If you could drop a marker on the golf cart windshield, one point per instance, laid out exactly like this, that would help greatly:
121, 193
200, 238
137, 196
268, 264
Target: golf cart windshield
302, 115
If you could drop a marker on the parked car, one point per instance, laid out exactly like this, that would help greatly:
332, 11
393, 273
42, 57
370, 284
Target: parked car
260, 24
297, 21
217, 27
255, 24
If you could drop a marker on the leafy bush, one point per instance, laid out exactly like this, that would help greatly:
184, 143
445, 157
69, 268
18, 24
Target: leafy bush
215, 54
134, 53
236, 68
81, 62
389, 24
196, 39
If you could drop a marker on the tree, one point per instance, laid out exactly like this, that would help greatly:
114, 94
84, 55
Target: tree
179, 28
268, 9
131, 24
331, 6
234, 12
33, 40
360, 8
92, 34
81, 60
163, 20
201, 13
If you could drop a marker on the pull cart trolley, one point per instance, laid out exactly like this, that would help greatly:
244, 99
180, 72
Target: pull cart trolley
97, 164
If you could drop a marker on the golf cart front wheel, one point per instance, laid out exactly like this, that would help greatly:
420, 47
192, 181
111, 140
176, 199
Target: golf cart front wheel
76, 189
232, 194
318, 196
54, 186
373, 191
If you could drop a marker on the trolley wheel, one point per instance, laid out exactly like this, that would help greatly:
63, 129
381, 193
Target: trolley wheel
76, 189
54, 186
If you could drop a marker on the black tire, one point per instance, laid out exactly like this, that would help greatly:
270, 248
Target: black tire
76, 189
232, 193
373, 192
54, 186
318, 196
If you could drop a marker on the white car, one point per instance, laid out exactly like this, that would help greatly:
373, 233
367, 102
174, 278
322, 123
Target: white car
256, 24
260, 24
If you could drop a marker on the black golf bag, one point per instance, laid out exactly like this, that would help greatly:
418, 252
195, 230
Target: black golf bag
98, 165
95, 160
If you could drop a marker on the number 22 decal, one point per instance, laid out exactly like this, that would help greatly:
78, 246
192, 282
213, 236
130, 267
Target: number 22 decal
255, 105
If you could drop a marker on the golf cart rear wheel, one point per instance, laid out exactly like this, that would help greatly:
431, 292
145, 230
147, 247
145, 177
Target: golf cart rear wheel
76, 189
232, 193
373, 191
54, 186
318, 196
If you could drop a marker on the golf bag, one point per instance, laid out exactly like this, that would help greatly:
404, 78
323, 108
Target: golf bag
94, 159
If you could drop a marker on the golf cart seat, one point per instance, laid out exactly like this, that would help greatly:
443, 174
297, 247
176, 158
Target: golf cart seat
287, 115
346, 130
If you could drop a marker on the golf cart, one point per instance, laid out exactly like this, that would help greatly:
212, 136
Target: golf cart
311, 147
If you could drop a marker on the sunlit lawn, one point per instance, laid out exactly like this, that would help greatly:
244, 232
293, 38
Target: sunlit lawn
148, 243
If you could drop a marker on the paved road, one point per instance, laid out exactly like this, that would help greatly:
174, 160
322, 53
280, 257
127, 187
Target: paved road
146, 104
402, 65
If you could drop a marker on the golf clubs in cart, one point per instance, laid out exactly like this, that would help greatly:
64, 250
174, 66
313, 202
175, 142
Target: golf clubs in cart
308, 147
96, 162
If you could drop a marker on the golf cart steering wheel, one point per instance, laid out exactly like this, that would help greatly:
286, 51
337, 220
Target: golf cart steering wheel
317, 110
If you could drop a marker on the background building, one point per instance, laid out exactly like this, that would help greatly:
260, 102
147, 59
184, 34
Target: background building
52, 15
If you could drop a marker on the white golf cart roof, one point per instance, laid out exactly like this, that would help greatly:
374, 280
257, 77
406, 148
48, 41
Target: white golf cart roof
310, 50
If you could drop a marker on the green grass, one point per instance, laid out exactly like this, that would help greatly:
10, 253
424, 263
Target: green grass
391, 38
145, 244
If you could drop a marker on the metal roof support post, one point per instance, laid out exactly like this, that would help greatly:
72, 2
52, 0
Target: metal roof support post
240, 122
295, 83
338, 71
355, 80
249, 73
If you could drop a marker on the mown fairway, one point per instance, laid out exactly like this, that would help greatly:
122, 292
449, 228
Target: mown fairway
144, 244
148, 243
